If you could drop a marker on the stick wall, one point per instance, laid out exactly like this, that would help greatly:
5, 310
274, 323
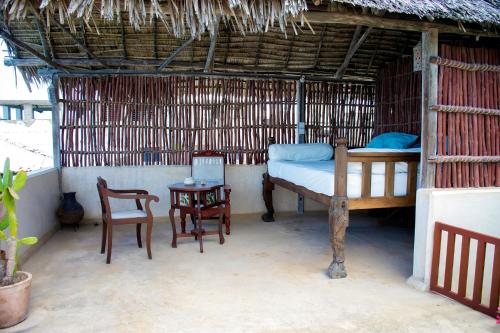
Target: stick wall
466, 134
398, 100
339, 109
134, 120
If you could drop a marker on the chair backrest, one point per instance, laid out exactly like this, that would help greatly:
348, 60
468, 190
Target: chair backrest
101, 186
208, 165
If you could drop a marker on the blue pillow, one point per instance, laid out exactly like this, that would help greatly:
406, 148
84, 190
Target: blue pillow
393, 140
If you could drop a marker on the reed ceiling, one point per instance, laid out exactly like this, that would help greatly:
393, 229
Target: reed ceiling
67, 35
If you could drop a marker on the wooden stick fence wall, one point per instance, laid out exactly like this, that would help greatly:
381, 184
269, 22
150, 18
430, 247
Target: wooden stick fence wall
468, 124
133, 120
339, 110
398, 100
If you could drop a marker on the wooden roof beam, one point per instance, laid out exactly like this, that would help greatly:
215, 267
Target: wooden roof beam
5, 35
320, 44
124, 43
174, 54
155, 42
389, 23
211, 49
355, 44
77, 42
289, 53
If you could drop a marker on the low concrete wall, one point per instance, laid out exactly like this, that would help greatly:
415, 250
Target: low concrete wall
245, 180
36, 208
473, 209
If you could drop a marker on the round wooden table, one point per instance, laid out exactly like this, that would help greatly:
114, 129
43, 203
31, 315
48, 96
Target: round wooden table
201, 201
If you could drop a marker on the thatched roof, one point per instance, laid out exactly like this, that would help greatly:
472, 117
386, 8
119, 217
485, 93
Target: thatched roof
479, 11
271, 36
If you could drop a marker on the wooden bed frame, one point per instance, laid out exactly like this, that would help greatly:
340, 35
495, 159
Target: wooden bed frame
340, 204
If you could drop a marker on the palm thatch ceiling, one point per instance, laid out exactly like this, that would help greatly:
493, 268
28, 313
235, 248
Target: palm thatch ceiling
332, 38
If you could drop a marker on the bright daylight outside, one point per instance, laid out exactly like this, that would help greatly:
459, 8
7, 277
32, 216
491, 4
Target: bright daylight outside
260, 166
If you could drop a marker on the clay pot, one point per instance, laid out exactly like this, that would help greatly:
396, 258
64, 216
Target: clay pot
14, 301
70, 211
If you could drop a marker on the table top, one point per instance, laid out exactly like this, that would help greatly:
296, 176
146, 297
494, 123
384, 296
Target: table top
181, 187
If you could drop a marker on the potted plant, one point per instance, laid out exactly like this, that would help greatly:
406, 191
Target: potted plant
14, 285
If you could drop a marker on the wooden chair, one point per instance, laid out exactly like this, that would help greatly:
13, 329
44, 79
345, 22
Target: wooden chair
210, 165
137, 216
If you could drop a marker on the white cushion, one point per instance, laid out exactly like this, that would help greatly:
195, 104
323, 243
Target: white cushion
128, 214
301, 152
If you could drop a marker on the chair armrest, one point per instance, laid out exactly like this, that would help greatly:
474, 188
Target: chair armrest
227, 188
130, 191
137, 197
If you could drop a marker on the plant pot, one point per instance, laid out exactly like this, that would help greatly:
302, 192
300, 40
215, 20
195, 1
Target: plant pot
70, 211
14, 301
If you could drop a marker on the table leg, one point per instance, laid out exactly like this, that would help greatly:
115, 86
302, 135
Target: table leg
183, 222
174, 232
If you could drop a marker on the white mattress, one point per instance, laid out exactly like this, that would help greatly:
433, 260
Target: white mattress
318, 176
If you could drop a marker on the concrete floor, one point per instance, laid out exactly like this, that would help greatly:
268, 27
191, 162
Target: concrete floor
267, 277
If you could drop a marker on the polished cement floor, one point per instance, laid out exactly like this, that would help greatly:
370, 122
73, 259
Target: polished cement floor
267, 277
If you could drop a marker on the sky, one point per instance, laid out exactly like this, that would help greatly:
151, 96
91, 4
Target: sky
8, 88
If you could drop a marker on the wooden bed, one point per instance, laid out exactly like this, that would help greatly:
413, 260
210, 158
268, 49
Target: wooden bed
340, 204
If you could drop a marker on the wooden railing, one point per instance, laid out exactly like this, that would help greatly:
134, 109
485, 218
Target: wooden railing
479, 269
388, 200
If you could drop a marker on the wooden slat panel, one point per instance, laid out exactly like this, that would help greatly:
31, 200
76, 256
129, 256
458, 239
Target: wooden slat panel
479, 271
495, 280
389, 180
366, 180
464, 265
411, 180
482, 240
450, 255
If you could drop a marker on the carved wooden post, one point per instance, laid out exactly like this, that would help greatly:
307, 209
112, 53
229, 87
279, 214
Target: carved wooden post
339, 212
267, 191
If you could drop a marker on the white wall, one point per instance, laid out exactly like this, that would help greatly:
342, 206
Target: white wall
36, 208
473, 209
245, 181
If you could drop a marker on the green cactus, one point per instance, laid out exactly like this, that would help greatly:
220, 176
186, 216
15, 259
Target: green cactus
9, 186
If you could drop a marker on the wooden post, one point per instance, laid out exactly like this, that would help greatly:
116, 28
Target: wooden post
267, 191
429, 98
300, 138
339, 212
56, 142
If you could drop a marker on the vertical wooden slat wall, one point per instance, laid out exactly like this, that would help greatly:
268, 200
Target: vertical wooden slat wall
468, 134
339, 109
134, 120
398, 100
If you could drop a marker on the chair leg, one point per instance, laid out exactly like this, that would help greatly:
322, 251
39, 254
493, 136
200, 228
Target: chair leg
227, 220
104, 232
139, 239
174, 232
200, 232
110, 241
149, 232
221, 234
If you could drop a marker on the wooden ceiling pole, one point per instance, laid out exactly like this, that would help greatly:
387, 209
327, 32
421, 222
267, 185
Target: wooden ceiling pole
320, 44
355, 44
388, 23
5, 35
155, 43
211, 49
77, 42
174, 54
289, 53
124, 43
257, 52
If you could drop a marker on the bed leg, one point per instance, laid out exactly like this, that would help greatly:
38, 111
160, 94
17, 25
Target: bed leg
267, 194
338, 219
